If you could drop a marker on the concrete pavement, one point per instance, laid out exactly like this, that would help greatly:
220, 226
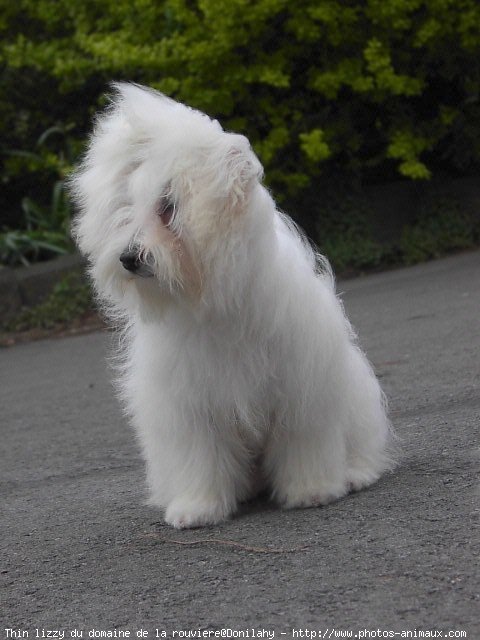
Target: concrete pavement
80, 551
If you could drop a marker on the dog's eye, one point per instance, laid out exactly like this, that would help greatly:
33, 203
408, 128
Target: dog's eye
166, 211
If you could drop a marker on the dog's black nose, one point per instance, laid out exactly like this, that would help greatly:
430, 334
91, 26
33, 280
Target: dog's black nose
130, 260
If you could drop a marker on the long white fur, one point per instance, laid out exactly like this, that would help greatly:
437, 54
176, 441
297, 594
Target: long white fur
237, 353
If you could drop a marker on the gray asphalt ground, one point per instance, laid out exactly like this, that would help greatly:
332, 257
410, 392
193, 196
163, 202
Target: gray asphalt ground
81, 551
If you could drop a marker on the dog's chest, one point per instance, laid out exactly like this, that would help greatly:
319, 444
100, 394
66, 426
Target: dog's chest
232, 376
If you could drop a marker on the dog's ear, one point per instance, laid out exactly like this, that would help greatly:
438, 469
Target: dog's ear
242, 167
133, 93
140, 105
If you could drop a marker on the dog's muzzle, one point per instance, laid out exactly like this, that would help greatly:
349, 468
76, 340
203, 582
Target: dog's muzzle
130, 259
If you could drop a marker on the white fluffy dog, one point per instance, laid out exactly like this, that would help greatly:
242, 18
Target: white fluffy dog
238, 356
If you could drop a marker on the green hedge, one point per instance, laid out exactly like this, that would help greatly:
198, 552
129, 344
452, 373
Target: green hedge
328, 91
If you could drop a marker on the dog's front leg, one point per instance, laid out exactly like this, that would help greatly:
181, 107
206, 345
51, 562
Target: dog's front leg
196, 471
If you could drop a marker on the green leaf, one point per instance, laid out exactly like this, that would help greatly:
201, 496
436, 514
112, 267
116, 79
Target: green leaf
314, 146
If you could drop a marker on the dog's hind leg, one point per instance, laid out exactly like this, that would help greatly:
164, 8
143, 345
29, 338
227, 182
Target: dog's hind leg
306, 466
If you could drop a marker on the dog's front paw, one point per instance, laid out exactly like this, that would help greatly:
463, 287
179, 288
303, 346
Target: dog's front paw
188, 513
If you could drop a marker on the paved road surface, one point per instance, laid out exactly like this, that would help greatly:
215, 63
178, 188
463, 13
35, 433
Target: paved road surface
81, 551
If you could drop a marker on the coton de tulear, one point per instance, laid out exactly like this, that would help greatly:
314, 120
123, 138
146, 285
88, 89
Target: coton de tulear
238, 361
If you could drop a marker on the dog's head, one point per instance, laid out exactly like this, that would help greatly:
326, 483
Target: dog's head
164, 195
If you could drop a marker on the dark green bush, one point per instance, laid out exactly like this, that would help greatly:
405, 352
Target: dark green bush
69, 300
439, 230
42, 230
323, 88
